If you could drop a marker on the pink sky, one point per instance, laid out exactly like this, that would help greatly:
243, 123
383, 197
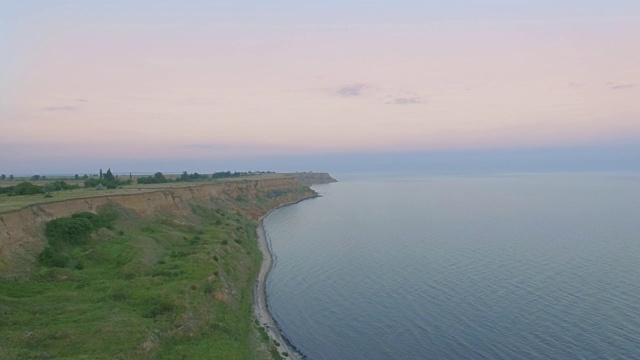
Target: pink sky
176, 86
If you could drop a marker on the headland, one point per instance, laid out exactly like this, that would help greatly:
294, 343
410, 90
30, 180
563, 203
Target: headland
173, 272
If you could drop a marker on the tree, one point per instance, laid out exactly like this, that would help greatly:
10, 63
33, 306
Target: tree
77, 177
11, 177
159, 178
35, 177
3, 177
108, 176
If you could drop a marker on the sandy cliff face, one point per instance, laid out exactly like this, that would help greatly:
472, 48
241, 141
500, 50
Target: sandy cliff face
21, 231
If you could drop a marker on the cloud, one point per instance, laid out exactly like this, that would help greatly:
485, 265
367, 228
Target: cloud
622, 86
405, 100
59, 108
386, 95
351, 90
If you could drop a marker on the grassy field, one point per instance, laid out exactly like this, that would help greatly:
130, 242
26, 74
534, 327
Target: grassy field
166, 288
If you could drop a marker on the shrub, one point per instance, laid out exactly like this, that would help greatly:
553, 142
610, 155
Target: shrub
109, 184
62, 185
74, 231
67, 232
192, 177
158, 306
157, 178
27, 188
52, 258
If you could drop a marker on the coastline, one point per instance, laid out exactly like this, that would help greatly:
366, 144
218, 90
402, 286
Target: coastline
260, 308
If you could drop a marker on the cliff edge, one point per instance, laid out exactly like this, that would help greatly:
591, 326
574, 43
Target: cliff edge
313, 178
22, 231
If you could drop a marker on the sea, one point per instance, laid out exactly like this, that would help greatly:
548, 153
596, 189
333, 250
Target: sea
490, 266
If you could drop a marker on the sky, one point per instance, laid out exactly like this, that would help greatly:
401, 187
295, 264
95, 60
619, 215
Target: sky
147, 86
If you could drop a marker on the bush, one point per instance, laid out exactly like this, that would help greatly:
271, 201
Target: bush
109, 184
192, 177
70, 230
67, 232
157, 178
27, 188
62, 185
50, 257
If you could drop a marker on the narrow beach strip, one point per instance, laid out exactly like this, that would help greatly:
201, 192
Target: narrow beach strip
260, 308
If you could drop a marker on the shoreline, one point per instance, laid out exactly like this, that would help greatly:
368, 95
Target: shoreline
260, 308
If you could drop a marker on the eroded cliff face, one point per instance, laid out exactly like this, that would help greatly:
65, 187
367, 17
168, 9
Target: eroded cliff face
22, 231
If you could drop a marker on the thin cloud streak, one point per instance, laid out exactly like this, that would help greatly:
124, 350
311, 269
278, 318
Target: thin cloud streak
623, 86
59, 108
352, 90
406, 101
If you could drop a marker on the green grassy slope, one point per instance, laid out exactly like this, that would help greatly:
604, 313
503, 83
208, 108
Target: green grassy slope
163, 288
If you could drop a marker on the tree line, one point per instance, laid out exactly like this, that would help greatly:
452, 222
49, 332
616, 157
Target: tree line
111, 181
28, 188
107, 180
159, 178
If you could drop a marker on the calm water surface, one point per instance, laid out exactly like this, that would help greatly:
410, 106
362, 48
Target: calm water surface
543, 266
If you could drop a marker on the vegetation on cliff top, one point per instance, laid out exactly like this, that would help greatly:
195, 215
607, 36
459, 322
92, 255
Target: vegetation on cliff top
116, 285
123, 187
28, 188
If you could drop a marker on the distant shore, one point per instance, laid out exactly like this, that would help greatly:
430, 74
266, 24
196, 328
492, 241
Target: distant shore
260, 307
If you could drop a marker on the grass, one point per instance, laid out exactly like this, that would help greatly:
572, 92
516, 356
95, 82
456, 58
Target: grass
127, 286
147, 289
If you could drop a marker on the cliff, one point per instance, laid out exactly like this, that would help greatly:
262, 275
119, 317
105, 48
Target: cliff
21, 231
312, 178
